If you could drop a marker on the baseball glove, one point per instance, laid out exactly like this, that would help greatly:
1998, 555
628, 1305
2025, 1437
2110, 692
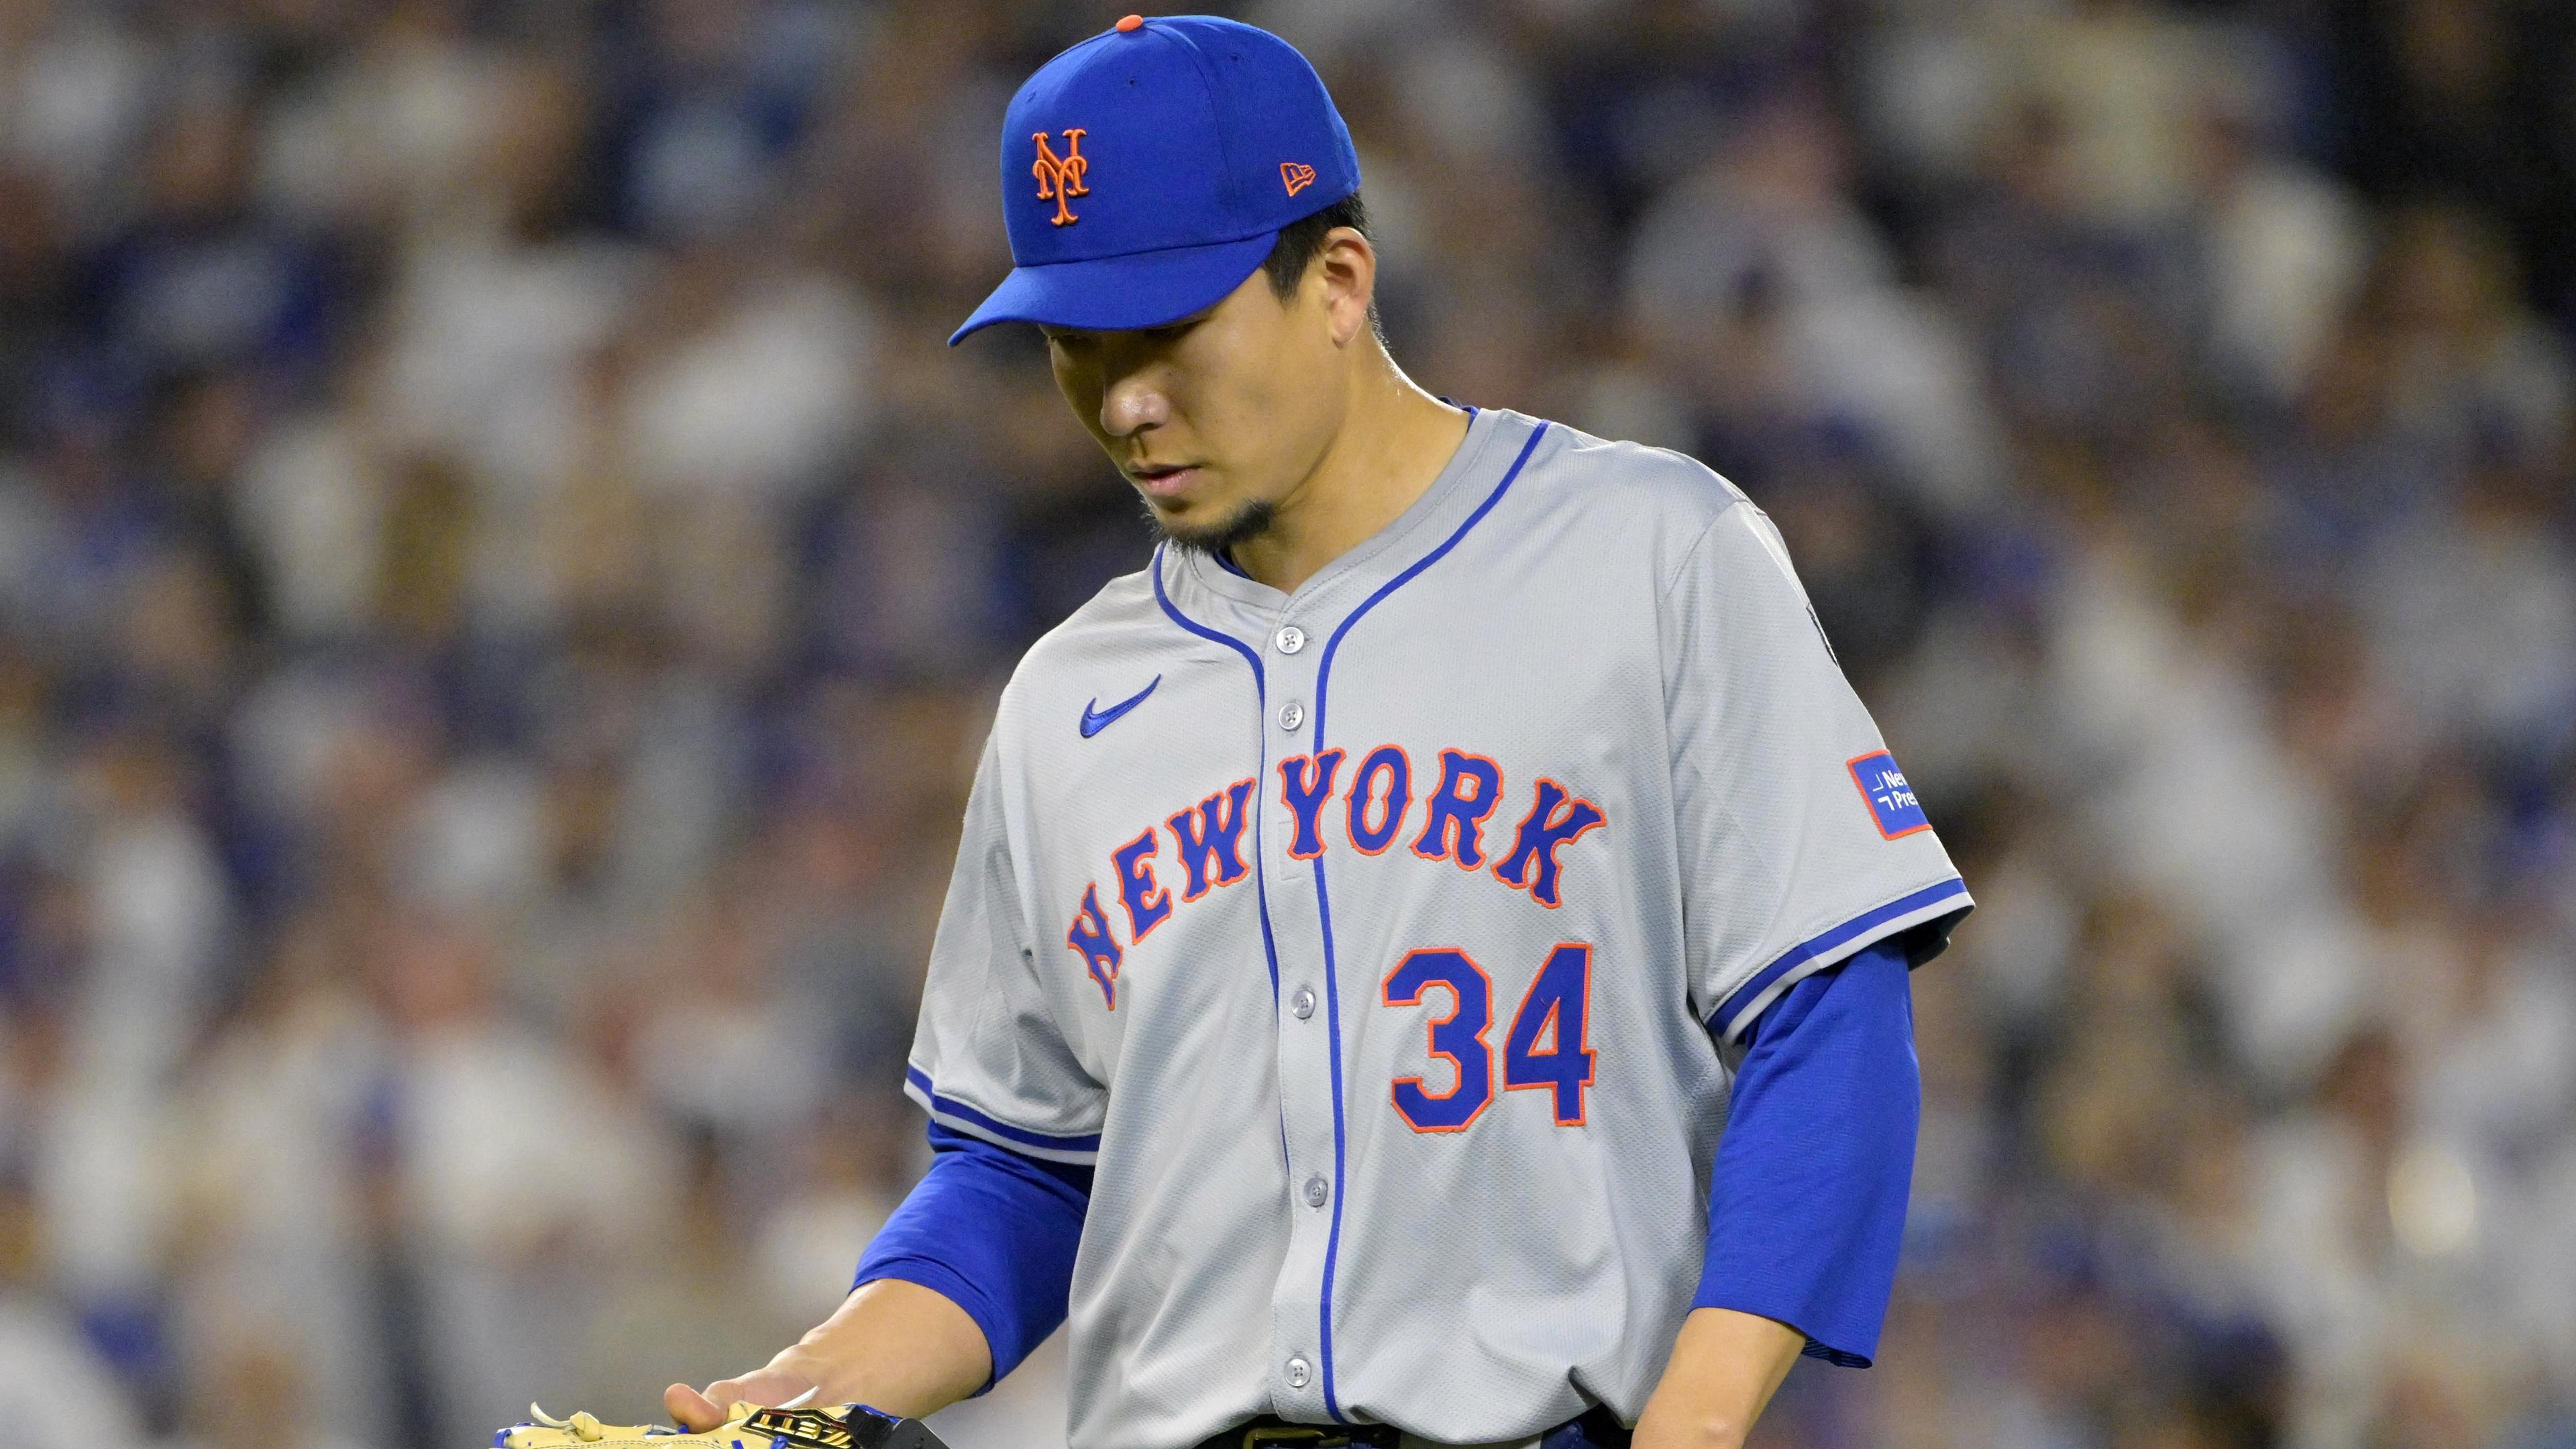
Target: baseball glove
746, 1426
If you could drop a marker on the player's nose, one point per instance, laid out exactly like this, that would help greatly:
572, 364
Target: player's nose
1133, 403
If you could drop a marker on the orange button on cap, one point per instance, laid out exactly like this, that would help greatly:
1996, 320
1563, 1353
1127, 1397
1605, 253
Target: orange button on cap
1131, 22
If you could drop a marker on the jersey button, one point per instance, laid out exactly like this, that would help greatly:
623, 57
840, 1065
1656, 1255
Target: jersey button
1317, 1190
1290, 639
1303, 1003
1298, 1373
1291, 715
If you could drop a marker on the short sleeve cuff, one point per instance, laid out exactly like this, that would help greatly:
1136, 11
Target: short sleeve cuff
1081, 1149
1931, 912
1816, 1348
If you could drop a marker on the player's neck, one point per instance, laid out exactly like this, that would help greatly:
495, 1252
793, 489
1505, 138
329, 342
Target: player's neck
1393, 443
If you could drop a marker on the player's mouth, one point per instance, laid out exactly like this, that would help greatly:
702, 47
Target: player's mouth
1163, 480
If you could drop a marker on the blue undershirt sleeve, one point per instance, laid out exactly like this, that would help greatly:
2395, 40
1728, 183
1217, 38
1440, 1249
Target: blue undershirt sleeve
1807, 1204
991, 1231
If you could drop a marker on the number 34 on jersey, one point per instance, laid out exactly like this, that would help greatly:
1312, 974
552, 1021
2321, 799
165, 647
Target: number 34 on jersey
1544, 1051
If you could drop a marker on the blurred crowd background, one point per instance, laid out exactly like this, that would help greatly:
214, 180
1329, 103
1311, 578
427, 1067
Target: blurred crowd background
502, 585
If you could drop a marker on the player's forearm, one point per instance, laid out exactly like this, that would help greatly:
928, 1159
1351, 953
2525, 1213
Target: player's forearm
894, 1346
1724, 1369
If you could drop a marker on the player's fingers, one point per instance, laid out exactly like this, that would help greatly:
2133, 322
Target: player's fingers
768, 1387
690, 1409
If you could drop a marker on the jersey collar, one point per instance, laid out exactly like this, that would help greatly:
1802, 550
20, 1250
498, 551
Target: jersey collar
1463, 482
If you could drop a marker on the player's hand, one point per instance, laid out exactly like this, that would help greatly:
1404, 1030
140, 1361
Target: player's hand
779, 1382
895, 1346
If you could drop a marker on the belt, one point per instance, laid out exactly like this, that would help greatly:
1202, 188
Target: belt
1598, 1428
1280, 1434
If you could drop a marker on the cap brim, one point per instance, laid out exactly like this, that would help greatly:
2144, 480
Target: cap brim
1120, 294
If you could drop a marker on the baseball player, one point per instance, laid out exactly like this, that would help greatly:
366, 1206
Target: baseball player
1366, 912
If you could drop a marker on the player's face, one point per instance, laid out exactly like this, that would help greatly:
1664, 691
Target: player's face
1216, 418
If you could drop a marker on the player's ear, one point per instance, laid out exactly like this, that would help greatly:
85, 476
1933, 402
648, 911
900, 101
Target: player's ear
1347, 269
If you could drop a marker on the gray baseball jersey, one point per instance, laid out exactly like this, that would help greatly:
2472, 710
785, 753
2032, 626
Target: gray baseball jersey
1378, 941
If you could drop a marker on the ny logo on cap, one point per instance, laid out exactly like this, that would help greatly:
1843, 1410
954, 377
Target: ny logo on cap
1060, 177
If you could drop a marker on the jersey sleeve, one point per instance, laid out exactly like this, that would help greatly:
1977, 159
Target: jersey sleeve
1800, 842
1806, 1205
988, 1058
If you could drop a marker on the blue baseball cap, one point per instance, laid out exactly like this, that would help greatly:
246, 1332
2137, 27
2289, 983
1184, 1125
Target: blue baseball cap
1147, 171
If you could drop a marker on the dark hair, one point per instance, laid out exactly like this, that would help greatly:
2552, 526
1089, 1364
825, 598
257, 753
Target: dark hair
1302, 240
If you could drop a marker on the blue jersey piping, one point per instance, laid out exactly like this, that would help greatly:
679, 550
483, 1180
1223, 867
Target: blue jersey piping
1324, 909
1026, 1138
1261, 701
1723, 1020
1260, 861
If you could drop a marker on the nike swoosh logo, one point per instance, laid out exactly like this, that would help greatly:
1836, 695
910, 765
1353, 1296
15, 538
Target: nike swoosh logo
1095, 719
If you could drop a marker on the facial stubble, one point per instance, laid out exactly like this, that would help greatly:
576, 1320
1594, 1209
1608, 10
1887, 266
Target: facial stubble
1217, 539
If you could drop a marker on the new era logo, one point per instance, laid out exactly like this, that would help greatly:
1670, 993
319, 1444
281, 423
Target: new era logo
1891, 800
1296, 177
